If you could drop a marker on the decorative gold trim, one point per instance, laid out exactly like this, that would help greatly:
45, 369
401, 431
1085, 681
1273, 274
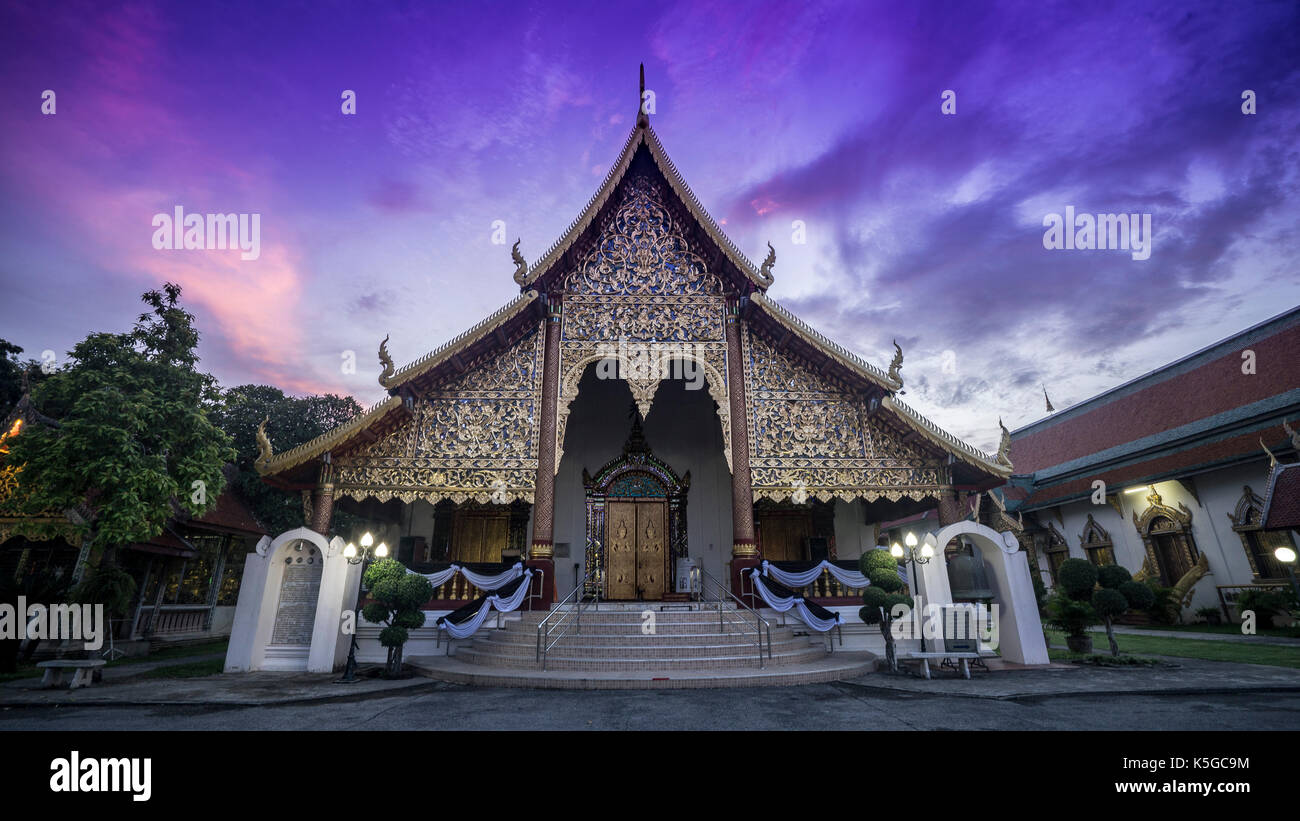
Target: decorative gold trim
310, 450
644, 134
464, 340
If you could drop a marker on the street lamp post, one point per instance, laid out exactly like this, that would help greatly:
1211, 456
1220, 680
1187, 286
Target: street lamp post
363, 558
915, 557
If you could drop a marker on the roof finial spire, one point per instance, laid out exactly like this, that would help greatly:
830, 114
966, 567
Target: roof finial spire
641, 119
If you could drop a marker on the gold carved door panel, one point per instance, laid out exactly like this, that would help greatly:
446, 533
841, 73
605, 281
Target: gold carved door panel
651, 522
636, 550
620, 576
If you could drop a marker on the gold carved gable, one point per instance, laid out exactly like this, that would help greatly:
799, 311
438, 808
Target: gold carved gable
472, 437
643, 299
812, 436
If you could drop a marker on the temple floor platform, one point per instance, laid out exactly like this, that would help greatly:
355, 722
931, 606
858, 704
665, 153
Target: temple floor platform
617, 647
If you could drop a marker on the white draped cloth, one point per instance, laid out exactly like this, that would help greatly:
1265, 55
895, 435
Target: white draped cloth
849, 578
782, 604
471, 625
477, 579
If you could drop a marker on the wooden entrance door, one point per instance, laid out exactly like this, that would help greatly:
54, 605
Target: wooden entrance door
479, 537
636, 550
782, 535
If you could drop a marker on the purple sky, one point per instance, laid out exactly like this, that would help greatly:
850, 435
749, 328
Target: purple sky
922, 227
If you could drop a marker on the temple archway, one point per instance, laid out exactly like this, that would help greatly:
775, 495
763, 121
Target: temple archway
636, 523
1020, 632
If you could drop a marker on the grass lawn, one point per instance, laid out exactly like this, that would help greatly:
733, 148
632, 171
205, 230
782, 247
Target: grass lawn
1233, 629
1206, 649
165, 654
209, 647
210, 667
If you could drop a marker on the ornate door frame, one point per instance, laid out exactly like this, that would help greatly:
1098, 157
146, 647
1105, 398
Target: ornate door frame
636, 474
1179, 529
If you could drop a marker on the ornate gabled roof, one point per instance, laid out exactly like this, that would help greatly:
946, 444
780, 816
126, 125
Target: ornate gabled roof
332, 440
461, 342
329, 440
951, 444
644, 135
840, 354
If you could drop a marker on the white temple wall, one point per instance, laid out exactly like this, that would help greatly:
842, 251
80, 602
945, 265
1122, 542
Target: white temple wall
1219, 492
853, 535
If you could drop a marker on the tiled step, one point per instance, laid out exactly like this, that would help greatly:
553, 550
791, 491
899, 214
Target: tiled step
826, 668
621, 639
637, 651
618, 663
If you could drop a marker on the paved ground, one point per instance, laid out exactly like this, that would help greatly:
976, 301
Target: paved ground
839, 706
1191, 695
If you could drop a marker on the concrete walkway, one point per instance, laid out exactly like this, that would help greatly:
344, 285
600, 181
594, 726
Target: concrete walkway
1178, 676
1238, 638
1003, 683
123, 686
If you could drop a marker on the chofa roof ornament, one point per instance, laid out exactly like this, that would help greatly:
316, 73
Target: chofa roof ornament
896, 364
521, 267
765, 273
1004, 447
387, 362
264, 452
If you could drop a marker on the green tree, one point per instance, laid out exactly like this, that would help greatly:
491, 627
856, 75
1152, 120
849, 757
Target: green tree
133, 443
882, 596
395, 600
293, 421
12, 370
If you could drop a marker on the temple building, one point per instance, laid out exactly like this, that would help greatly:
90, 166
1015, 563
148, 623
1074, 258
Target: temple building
642, 411
1169, 474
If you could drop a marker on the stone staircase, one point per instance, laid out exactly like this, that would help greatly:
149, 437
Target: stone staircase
692, 647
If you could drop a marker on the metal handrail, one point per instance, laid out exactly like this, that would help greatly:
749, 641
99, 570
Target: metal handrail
760, 625
545, 628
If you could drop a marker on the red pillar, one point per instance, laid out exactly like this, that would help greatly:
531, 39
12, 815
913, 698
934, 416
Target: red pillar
322, 507
744, 547
542, 550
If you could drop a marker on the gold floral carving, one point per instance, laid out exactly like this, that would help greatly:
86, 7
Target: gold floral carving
811, 434
642, 298
472, 437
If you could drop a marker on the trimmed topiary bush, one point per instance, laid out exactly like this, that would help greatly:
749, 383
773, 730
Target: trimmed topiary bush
1077, 577
396, 598
880, 599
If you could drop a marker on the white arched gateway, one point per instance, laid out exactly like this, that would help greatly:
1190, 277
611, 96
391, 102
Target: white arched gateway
290, 604
1020, 632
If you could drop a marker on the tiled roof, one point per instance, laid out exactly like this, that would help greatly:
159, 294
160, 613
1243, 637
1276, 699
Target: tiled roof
1201, 386
1192, 415
1282, 500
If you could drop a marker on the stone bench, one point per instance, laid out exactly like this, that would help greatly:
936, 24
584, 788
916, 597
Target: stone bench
82, 678
924, 658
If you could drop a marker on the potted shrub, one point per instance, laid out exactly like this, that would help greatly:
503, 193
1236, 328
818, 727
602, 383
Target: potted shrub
1069, 608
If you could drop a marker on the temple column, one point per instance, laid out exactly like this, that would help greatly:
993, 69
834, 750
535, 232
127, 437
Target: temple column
951, 509
544, 494
743, 544
322, 508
